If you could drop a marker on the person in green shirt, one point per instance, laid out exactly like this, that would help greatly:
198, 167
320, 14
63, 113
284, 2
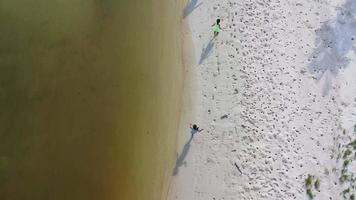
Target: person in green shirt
217, 28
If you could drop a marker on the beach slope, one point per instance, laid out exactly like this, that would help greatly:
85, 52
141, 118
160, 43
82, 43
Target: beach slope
275, 95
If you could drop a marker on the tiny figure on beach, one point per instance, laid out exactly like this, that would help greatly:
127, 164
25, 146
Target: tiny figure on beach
195, 129
216, 28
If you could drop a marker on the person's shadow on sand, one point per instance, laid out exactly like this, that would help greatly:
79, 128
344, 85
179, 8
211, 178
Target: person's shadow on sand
206, 51
180, 160
190, 7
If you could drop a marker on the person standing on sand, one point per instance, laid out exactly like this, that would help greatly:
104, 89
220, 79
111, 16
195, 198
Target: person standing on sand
216, 28
195, 129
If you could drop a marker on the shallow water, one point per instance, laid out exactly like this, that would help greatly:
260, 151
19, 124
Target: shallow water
90, 95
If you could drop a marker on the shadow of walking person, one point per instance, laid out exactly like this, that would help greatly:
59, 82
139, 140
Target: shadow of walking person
190, 7
206, 51
180, 161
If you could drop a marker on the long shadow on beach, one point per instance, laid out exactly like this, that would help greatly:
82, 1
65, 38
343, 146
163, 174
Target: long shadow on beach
334, 42
190, 7
206, 51
180, 161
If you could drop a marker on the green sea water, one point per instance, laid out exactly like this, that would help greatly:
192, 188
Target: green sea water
90, 95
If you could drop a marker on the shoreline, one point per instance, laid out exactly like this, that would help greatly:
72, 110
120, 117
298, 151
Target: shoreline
188, 58
270, 121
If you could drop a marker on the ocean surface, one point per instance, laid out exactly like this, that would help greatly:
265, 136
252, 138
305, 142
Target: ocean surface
90, 95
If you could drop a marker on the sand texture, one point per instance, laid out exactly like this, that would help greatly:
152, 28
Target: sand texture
276, 95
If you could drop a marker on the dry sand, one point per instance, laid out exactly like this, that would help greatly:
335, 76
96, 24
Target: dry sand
276, 95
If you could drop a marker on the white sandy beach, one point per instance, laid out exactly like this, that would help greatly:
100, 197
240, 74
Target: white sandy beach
276, 95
